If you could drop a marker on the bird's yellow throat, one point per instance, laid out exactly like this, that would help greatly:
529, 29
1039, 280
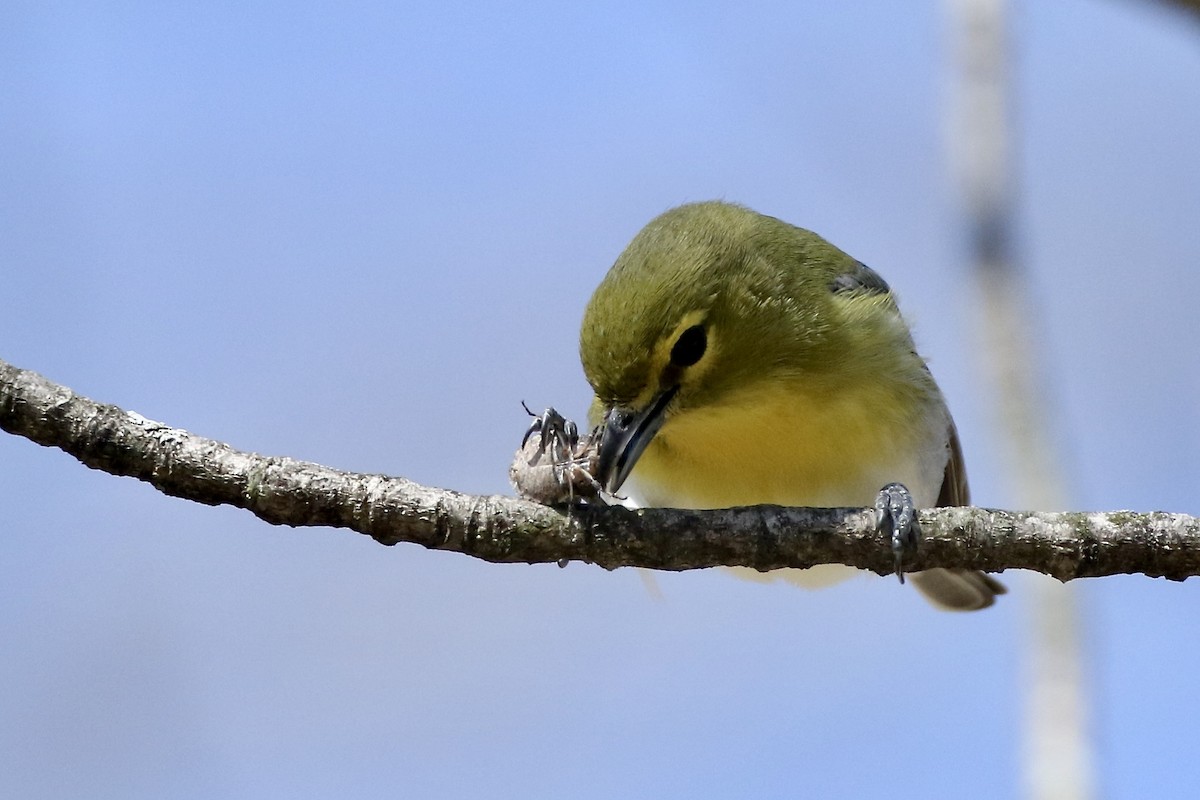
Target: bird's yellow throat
779, 443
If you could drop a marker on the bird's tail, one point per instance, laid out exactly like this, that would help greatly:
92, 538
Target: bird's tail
957, 589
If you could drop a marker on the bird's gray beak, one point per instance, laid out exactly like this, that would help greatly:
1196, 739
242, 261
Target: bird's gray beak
625, 437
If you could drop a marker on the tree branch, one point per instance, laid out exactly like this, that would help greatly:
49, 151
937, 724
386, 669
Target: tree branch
284, 491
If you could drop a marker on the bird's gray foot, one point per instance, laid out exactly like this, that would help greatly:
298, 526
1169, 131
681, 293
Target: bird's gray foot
896, 515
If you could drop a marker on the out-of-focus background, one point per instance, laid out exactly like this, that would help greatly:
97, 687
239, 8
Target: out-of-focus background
361, 235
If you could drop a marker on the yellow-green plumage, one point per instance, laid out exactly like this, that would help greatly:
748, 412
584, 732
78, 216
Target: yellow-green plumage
805, 389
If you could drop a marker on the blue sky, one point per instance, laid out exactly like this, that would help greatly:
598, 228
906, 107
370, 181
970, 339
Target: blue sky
361, 235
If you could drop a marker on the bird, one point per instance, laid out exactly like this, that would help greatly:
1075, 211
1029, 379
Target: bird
738, 360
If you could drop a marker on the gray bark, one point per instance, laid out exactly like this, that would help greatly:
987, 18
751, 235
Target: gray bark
283, 491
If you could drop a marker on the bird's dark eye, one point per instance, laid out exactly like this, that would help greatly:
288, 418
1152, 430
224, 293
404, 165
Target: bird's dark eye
689, 347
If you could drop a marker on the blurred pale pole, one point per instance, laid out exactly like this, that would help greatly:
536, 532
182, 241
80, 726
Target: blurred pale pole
1058, 759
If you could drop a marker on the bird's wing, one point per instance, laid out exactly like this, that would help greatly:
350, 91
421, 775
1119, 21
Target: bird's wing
957, 589
955, 491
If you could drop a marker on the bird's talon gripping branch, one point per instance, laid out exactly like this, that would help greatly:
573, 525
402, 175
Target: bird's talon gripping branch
896, 515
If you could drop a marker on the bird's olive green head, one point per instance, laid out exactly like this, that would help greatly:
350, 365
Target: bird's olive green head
708, 298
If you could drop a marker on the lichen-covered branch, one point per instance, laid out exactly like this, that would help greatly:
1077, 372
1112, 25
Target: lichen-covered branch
284, 491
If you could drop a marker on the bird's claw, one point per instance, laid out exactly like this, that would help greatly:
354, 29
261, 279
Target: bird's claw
896, 515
